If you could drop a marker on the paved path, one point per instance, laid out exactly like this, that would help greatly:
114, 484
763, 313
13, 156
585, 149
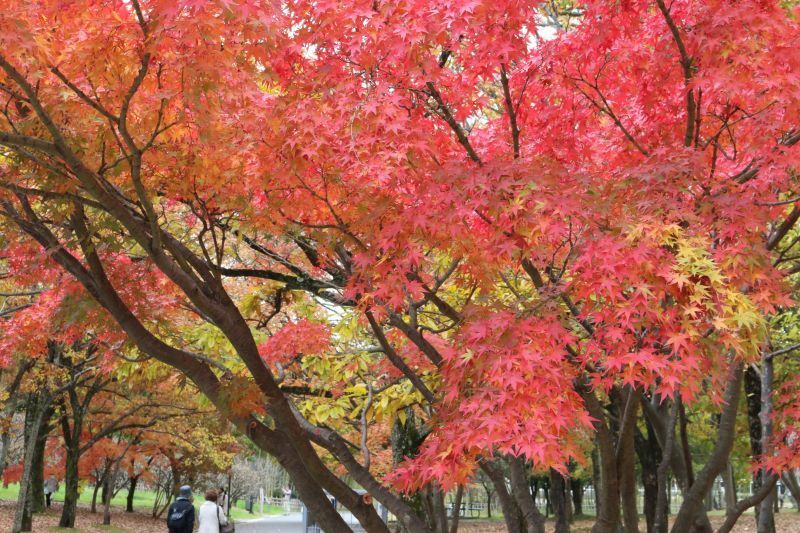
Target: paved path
291, 523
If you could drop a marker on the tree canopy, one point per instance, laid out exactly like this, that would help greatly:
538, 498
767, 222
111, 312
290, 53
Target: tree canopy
514, 222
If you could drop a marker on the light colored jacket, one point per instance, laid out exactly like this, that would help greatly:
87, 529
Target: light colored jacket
210, 518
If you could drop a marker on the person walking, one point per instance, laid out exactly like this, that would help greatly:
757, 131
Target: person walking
287, 499
50, 488
180, 515
210, 515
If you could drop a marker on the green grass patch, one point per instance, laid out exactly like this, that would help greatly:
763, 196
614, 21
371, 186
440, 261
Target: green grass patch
142, 501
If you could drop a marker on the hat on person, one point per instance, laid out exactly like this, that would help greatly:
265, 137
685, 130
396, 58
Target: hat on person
185, 491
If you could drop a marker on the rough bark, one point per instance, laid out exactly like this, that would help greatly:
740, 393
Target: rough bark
512, 514
766, 508
733, 514
559, 500
626, 460
690, 510
649, 453
791, 483
36, 491
730, 488
608, 510
534, 521
34, 421
576, 487
131, 492
456, 509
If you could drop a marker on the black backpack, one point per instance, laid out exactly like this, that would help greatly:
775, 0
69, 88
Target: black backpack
176, 517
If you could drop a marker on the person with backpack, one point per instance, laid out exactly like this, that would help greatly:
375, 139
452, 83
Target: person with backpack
50, 488
180, 515
211, 517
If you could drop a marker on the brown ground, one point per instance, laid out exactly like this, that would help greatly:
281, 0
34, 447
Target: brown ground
86, 522
786, 522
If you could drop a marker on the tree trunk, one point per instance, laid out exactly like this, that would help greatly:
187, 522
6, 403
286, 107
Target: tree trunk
95, 490
608, 510
690, 511
560, 501
534, 521
730, 488
71, 479
752, 389
596, 478
131, 491
456, 509
791, 483
108, 490
36, 491
649, 453
38, 404
766, 508
512, 514
626, 461
576, 487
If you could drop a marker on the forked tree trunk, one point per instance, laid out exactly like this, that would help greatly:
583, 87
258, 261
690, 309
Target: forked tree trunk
690, 510
534, 521
790, 481
515, 523
34, 422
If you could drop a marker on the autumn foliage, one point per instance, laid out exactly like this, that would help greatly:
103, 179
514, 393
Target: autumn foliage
501, 215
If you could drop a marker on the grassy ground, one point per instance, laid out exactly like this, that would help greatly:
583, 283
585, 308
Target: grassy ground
142, 501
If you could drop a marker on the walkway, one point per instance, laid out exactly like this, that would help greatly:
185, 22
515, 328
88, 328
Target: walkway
291, 523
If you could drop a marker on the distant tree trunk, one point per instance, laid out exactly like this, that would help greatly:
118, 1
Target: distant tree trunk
791, 483
457, 509
596, 477
131, 490
576, 487
95, 490
752, 389
560, 501
488, 488
649, 453
10, 407
730, 488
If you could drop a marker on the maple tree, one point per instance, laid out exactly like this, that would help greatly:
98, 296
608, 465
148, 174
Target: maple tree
524, 221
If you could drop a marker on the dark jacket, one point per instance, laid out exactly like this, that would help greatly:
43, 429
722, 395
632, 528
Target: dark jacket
182, 504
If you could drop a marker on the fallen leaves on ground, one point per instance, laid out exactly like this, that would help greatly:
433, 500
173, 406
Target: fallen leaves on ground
86, 522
